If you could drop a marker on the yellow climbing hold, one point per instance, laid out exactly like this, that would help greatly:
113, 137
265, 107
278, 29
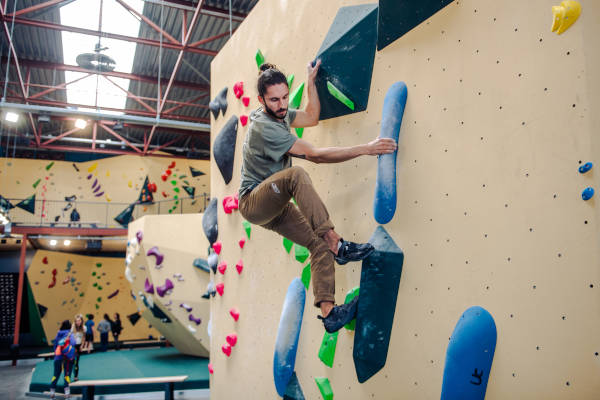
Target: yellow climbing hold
129, 184
93, 167
107, 198
107, 173
565, 15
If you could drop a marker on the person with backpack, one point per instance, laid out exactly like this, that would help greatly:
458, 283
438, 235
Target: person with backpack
64, 354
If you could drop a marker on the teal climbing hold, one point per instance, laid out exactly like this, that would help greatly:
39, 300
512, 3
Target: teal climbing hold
190, 190
287, 244
301, 253
324, 388
352, 293
247, 228
327, 350
306, 276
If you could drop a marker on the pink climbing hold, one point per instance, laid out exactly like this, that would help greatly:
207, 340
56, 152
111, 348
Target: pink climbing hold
187, 307
197, 321
220, 288
154, 252
244, 119
242, 243
238, 89
226, 349
231, 339
45, 260
139, 235
222, 267
148, 287
230, 203
246, 101
235, 314
239, 266
210, 369
161, 290
66, 280
217, 247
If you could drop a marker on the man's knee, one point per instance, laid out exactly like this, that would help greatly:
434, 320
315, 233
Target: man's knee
299, 174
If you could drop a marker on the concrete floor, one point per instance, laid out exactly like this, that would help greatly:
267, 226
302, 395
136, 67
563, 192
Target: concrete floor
15, 383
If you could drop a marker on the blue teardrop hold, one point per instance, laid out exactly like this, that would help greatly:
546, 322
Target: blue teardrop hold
585, 167
587, 193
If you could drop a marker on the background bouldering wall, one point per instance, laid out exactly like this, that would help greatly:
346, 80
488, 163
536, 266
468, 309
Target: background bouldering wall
101, 190
501, 112
83, 285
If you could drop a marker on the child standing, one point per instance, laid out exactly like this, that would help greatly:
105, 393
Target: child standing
89, 332
64, 353
78, 331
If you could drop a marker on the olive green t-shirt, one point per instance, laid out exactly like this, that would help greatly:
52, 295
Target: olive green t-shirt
265, 149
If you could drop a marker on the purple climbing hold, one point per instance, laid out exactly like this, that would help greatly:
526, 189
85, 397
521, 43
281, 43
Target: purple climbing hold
196, 320
161, 290
148, 287
139, 236
113, 294
99, 194
95, 183
187, 307
97, 188
154, 252
89, 176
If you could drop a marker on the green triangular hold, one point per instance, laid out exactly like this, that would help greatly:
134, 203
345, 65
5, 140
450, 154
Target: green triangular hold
247, 228
196, 172
287, 244
306, 276
260, 59
335, 92
299, 132
352, 293
28, 204
325, 388
190, 190
290, 80
49, 165
36, 183
327, 350
301, 253
296, 97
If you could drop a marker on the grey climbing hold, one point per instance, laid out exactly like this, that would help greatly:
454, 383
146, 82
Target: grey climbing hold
224, 148
219, 103
209, 221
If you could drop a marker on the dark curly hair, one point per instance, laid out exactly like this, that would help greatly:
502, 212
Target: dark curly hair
269, 75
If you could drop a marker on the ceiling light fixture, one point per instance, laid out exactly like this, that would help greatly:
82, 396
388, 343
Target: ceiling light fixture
67, 242
11, 116
80, 123
53, 242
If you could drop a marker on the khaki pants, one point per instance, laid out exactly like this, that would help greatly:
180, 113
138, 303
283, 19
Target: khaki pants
268, 205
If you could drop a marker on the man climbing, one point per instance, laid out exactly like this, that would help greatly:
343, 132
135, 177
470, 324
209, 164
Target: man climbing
269, 181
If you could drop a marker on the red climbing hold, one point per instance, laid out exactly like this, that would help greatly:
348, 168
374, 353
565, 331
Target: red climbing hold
246, 101
172, 165
242, 242
235, 314
164, 177
238, 89
164, 194
222, 267
51, 285
45, 260
244, 119
152, 187
231, 339
168, 172
230, 203
226, 349
217, 247
210, 369
54, 271
239, 266
220, 288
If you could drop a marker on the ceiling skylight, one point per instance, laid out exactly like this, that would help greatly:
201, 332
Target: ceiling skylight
95, 90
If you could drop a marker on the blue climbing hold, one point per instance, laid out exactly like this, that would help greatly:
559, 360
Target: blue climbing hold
469, 356
585, 167
587, 193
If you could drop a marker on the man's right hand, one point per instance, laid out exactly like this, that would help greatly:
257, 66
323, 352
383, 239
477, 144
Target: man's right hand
381, 146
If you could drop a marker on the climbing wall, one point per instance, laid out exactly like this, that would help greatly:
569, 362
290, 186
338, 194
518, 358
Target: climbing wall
67, 284
102, 190
500, 114
161, 254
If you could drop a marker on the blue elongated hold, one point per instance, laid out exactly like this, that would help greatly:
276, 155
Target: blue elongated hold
202, 264
585, 167
384, 204
469, 356
286, 344
587, 193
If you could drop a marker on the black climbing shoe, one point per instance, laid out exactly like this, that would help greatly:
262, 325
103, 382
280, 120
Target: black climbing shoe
350, 251
340, 316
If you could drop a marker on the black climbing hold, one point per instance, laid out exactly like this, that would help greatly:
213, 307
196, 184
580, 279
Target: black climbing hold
75, 166
209, 221
202, 264
134, 318
28, 204
43, 310
190, 190
379, 282
293, 391
347, 56
71, 198
125, 216
398, 17
196, 172
224, 148
5, 204
156, 311
219, 103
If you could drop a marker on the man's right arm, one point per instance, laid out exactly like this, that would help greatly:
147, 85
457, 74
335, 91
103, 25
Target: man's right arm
304, 149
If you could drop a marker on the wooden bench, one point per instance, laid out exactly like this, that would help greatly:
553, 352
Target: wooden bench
46, 356
88, 386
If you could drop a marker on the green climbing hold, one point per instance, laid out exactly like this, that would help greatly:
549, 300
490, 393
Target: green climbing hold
174, 175
94, 273
99, 300
170, 210
306, 276
98, 265
260, 59
98, 277
99, 287
287, 244
176, 197
36, 183
247, 228
299, 132
290, 80
335, 92
97, 306
352, 293
49, 165
296, 97
186, 182
95, 284
327, 350
176, 190
173, 182
176, 202
301, 253
325, 388
81, 294
182, 176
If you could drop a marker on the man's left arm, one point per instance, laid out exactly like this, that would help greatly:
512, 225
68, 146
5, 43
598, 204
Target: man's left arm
310, 115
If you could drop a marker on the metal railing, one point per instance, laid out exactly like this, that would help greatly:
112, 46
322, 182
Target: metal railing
90, 214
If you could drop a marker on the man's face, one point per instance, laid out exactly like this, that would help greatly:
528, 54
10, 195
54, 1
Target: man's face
276, 100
